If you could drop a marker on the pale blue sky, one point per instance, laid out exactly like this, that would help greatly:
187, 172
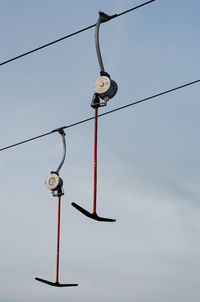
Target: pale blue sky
148, 154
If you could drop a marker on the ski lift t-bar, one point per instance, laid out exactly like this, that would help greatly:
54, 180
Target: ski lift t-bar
55, 184
105, 89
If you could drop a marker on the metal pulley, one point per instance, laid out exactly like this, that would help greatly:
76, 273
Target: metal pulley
53, 182
104, 87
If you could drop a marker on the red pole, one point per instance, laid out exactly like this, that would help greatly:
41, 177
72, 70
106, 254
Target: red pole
58, 239
95, 159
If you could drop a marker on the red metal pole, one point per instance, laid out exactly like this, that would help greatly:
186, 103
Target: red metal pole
95, 160
58, 240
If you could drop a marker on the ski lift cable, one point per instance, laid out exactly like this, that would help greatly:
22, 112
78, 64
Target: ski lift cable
100, 115
73, 34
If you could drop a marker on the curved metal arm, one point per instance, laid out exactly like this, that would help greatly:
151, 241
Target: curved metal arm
62, 133
100, 20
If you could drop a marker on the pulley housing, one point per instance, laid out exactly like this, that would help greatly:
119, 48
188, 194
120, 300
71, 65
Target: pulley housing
53, 182
105, 88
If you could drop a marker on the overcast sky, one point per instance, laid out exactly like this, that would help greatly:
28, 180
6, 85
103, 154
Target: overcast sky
148, 154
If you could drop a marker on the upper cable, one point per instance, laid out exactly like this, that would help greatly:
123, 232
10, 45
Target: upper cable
72, 34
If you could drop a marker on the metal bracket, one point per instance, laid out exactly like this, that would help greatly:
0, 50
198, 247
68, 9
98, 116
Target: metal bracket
96, 103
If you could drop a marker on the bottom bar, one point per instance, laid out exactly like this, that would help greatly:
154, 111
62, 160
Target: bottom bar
57, 284
91, 215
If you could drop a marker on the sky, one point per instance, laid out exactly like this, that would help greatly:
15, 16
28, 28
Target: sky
148, 154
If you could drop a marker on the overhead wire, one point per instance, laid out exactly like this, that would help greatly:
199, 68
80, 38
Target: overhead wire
102, 114
73, 34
